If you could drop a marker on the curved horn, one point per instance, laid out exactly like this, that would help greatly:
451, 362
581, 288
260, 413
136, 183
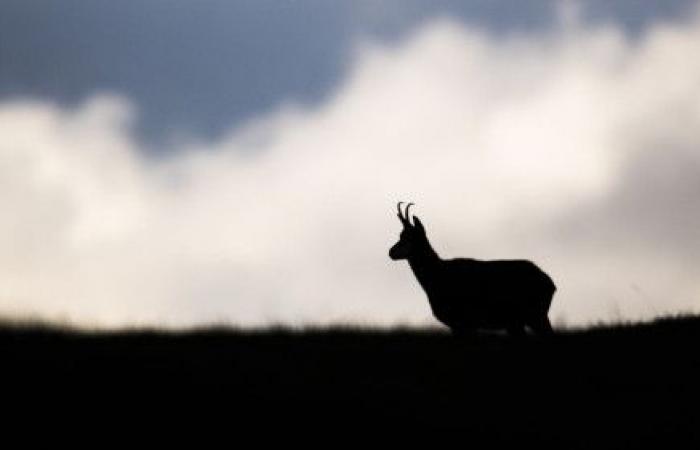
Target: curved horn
408, 218
398, 208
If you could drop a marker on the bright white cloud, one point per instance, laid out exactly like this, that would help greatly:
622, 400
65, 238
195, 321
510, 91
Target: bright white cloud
511, 147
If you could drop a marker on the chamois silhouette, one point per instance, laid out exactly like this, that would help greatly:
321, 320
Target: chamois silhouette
469, 294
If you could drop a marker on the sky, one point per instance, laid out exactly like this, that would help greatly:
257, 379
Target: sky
180, 163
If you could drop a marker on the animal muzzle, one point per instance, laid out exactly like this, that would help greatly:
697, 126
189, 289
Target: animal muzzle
396, 253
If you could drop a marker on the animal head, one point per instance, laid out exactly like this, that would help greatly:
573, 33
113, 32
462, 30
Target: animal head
412, 238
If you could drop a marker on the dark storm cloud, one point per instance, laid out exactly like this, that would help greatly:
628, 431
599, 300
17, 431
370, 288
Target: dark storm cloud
199, 67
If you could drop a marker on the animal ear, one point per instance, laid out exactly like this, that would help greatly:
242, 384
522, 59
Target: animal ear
418, 225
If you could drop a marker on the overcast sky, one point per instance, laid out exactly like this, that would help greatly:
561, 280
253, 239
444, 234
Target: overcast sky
181, 162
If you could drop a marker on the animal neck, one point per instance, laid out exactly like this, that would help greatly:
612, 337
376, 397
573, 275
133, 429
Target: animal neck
423, 263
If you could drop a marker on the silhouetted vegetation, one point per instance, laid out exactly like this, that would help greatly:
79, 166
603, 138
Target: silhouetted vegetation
635, 384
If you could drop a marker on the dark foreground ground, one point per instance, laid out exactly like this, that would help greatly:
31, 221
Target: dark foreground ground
636, 386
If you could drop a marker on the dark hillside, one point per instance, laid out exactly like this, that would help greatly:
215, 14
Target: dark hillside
636, 384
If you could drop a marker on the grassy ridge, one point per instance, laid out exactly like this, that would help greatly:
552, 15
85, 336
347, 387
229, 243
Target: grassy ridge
635, 384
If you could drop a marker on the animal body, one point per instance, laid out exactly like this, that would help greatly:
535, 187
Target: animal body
469, 294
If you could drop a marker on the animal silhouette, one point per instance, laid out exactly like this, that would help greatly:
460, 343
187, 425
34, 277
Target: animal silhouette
469, 294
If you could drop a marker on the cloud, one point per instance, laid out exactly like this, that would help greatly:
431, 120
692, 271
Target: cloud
576, 148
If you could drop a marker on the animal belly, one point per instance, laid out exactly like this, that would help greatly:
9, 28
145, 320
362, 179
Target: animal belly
488, 313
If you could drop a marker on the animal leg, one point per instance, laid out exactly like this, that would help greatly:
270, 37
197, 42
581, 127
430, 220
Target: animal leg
464, 333
542, 326
516, 331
